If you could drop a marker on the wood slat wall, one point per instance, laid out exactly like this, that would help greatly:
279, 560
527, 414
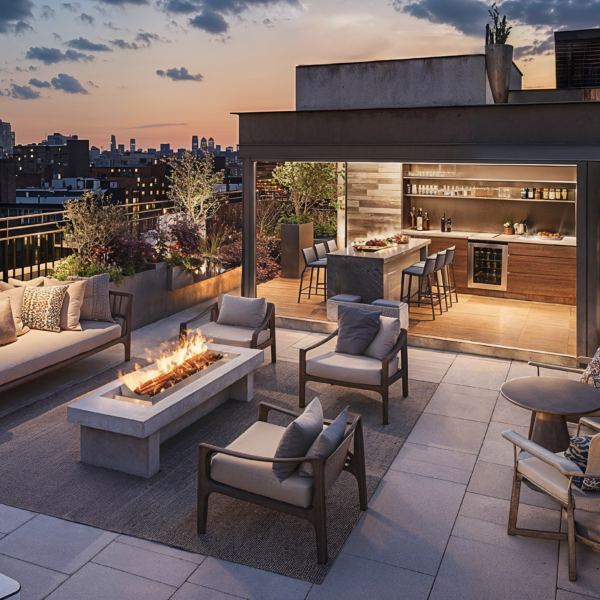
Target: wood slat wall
374, 200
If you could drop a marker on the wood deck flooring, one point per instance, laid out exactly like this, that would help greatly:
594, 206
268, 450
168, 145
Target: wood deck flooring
514, 323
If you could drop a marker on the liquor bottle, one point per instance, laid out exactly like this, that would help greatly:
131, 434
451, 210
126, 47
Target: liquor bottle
426, 222
443, 222
420, 220
449, 225
531, 193
408, 188
413, 218
524, 192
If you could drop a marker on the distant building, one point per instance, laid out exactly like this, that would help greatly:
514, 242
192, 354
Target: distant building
69, 160
218, 149
229, 149
151, 150
131, 145
12, 139
211, 144
130, 159
113, 143
121, 148
57, 139
203, 144
94, 153
577, 58
195, 144
8, 180
57, 191
6, 139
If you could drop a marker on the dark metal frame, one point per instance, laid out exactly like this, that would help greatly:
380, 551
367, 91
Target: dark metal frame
325, 472
318, 286
118, 311
428, 291
386, 381
268, 322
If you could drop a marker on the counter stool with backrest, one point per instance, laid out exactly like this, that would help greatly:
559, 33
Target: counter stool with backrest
448, 279
321, 251
331, 246
424, 271
311, 262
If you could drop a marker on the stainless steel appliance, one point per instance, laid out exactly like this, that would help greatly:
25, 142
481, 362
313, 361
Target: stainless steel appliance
487, 266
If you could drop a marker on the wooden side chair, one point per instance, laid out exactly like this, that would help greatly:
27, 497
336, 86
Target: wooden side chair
243, 470
258, 337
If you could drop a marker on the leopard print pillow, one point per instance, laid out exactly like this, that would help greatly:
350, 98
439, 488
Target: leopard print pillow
41, 307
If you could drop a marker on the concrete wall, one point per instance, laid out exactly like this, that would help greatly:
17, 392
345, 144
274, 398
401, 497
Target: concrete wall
152, 301
442, 81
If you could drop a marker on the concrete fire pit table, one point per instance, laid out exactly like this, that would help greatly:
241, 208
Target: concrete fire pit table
123, 435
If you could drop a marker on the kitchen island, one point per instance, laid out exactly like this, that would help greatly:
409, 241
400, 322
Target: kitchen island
372, 275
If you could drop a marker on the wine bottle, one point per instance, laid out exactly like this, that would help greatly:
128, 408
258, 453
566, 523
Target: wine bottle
426, 222
444, 222
420, 220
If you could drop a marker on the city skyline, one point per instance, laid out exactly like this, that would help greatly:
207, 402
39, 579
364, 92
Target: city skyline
162, 71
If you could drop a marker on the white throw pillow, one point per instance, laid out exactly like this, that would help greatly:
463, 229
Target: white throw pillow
385, 340
242, 312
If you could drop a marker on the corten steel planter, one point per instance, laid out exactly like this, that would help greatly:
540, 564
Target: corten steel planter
293, 239
498, 64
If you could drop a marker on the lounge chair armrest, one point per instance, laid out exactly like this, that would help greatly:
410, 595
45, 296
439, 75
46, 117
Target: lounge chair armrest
183, 327
591, 422
323, 341
399, 343
540, 365
264, 324
265, 408
209, 449
563, 465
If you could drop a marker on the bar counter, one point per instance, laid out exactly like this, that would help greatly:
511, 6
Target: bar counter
372, 275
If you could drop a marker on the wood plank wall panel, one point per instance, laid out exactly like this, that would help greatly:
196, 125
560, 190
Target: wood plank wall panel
374, 200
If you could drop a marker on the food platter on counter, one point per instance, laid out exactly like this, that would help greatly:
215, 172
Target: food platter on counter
545, 235
376, 245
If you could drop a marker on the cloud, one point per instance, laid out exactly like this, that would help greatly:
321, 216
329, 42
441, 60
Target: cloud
56, 37
179, 75
92, 84
68, 84
123, 2
14, 15
22, 92
111, 25
22, 27
158, 125
50, 56
39, 84
47, 12
71, 6
209, 21
538, 47
268, 23
144, 38
85, 44
86, 19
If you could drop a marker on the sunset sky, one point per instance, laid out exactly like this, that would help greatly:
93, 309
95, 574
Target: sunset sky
163, 70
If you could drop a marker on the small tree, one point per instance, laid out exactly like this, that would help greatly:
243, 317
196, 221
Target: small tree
497, 32
92, 222
308, 184
192, 184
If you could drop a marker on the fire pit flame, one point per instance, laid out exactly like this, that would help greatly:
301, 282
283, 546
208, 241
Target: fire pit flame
171, 368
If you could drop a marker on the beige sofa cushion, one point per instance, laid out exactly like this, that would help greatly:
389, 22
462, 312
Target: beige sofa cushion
37, 282
349, 368
40, 349
262, 439
385, 340
231, 336
70, 313
16, 304
6, 286
242, 312
8, 329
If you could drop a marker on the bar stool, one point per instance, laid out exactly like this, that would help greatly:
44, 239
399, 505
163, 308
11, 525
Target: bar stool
321, 250
443, 271
450, 283
311, 262
331, 246
423, 271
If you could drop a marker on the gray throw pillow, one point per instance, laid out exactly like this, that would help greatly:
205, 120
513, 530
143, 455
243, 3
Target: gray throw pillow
326, 443
357, 329
298, 438
385, 340
242, 312
96, 299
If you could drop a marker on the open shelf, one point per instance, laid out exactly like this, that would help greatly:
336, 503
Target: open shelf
433, 196
571, 185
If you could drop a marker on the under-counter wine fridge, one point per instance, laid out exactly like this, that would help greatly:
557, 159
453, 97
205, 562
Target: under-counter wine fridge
487, 266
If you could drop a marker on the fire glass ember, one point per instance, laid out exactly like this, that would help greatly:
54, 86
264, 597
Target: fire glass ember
170, 369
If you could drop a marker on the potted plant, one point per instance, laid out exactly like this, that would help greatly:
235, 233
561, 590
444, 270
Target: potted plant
498, 56
509, 228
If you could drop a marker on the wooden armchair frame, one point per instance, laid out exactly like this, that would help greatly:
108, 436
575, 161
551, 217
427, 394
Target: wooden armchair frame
325, 472
386, 380
268, 323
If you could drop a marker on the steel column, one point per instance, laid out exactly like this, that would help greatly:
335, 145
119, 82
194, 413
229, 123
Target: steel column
249, 228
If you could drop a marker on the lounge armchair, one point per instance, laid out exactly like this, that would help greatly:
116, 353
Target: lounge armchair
260, 336
357, 371
553, 474
244, 471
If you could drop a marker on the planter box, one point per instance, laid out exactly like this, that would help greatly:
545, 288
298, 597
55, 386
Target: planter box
152, 301
293, 239
156, 266
178, 277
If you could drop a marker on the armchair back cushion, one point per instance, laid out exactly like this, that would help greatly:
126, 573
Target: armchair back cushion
8, 329
579, 452
326, 443
16, 304
298, 438
242, 312
37, 282
385, 340
357, 329
70, 313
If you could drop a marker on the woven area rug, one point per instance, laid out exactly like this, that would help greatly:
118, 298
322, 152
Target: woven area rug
40, 471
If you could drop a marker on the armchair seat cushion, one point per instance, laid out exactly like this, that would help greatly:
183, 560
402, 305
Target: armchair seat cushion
262, 439
232, 336
349, 368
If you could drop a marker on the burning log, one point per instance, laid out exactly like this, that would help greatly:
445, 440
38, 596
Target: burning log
177, 374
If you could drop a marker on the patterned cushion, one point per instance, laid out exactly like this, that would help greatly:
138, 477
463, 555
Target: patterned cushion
591, 375
42, 306
578, 452
96, 301
8, 330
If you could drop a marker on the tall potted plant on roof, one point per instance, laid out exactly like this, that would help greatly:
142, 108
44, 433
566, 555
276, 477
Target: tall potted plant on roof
498, 55
308, 185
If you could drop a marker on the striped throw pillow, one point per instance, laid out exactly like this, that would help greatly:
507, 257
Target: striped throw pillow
578, 452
